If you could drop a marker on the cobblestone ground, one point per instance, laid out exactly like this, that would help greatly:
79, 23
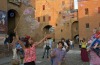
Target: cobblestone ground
73, 58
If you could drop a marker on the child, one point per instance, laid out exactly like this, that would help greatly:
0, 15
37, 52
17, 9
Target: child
58, 55
30, 50
6, 42
46, 48
65, 48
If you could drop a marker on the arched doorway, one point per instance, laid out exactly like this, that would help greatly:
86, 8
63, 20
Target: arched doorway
12, 20
46, 29
75, 30
49, 29
76, 38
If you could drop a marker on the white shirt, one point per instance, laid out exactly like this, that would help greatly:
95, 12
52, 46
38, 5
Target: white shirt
65, 46
71, 42
46, 43
50, 42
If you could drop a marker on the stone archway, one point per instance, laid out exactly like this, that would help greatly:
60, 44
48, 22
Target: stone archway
13, 18
46, 29
75, 29
76, 38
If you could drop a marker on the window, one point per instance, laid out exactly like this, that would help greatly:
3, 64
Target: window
86, 11
87, 25
98, 9
49, 18
38, 19
43, 7
44, 18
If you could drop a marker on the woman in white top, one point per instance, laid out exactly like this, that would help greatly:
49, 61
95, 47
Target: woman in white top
65, 47
71, 44
46, 48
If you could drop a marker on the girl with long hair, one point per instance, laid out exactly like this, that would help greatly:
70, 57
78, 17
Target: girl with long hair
30, 50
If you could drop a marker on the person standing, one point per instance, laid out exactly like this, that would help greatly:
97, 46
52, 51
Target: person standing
65, 47
71, 44
14, 42
46, 48
51, 43
68, 43
11, 34
84, 53
6, 42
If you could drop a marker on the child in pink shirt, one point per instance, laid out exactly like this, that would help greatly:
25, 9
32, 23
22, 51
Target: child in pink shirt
30, 50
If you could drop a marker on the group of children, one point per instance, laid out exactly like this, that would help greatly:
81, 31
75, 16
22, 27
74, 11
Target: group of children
26, 48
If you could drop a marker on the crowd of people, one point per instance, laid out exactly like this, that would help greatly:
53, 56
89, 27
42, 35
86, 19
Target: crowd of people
26, 48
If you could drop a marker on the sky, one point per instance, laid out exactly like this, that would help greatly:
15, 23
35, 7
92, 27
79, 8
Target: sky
75, 4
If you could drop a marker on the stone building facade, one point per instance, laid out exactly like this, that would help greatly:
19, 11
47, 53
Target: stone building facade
46, 12
88, 17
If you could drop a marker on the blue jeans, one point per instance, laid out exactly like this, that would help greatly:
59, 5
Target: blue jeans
46, 49
51, 61
72, 46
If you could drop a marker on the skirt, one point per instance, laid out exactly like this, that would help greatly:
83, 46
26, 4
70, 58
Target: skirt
84, 55
30, 63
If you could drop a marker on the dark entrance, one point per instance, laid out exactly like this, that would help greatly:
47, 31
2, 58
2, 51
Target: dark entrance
11, 20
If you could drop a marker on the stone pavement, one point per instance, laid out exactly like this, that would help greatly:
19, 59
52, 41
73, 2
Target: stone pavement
5, 60
73, 58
